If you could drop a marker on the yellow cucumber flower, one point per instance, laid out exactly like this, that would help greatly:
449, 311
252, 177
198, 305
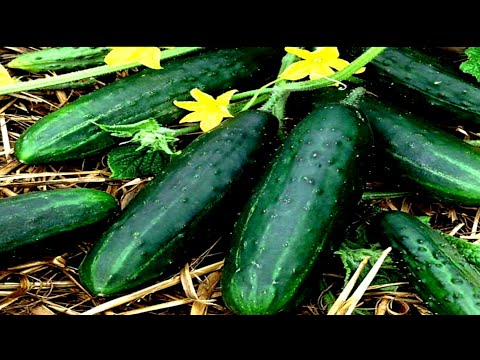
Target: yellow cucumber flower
148, 56
207, 110
5, 78
316, 64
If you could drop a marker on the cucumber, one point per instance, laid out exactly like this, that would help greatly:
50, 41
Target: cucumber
59, 58
416, 153
442, 277
428, 158
183, 207
298, 212
422, 83
70, 133
34, 217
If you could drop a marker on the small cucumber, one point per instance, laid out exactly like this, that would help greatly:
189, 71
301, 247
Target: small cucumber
298, 211
442, 277
59, 58
70, 132
183, 207
33, 217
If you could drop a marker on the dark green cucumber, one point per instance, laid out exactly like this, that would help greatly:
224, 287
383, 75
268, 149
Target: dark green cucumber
442, 277
422, 83
69, 132
180, 209
59, 58
33, 217
298, 211
428, 158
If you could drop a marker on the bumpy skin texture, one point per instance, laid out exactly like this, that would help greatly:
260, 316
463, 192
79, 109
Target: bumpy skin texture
303, 202
427, 157
443, 278
69, 133
59, 58
30, 218
177, 211
423, 84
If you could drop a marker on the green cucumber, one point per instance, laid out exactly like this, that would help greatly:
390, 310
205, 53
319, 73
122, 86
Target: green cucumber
442, 277
422, 83
36, 216
416, 153
59, 58
298, 212
183, 207
424, 156
70, 132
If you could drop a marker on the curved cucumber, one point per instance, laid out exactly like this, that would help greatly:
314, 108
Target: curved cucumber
59, 58
443, 278
180, 209
32, 217
70, 132
431, 159
300, 207
421, 83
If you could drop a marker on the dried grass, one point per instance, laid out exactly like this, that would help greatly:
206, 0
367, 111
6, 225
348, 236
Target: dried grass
49, 285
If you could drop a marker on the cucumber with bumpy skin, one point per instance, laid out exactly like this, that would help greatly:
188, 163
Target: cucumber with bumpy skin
33, 217
59, 58
425, 156
71, 131
185, 205
298, 211
421, 83
441, 275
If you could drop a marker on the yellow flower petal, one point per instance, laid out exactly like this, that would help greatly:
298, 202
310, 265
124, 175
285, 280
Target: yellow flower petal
337, 64
326, 53
296, 71
224, 99
148, 56
192, 117
301, 53
188, 105
206, 110
201, 97
5, 78
320, 70
210, 122
361, 70
223, 111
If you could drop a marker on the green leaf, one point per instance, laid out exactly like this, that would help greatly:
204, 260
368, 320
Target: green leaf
472, 64
129, 130
356, 247
126, 162
148, 133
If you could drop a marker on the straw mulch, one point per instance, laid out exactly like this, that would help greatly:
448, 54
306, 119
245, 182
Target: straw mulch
46, 283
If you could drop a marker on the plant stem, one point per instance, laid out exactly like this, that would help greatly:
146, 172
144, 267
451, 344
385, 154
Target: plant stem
85, 74
185, 130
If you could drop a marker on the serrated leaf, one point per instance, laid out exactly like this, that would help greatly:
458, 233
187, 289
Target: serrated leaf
356, 247
148, 133
472, 64
126, 162
129, 130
